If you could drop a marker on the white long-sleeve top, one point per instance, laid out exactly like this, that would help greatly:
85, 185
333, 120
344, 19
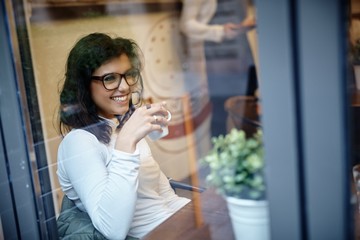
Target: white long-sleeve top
124, 194
195, 18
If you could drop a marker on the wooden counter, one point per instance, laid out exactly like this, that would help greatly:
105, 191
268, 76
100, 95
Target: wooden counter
208, 220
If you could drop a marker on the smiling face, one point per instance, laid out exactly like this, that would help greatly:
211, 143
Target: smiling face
111, 102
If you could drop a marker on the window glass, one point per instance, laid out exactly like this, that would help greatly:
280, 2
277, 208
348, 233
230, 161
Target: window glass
354, 54
208, 75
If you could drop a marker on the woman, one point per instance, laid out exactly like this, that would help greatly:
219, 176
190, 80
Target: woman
104, 163
195, 23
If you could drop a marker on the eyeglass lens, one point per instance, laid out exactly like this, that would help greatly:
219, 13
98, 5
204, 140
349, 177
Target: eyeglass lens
113, 80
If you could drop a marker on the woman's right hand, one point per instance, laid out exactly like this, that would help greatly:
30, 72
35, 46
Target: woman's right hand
140, 124
230, 30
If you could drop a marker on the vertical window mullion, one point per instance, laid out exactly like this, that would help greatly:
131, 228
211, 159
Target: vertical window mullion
277, 87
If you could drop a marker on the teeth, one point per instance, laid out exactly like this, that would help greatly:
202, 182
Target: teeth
119, 99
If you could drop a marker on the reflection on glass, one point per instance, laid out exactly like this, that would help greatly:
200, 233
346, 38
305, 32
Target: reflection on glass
210, 85
354, 93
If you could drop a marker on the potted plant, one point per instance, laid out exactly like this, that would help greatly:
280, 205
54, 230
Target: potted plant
355, 53
236, 170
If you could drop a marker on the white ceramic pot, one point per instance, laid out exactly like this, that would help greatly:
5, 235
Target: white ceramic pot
250, 219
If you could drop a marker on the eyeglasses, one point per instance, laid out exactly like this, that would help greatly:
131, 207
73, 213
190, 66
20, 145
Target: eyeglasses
112, 81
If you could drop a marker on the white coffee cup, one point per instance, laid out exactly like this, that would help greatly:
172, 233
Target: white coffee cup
156, 134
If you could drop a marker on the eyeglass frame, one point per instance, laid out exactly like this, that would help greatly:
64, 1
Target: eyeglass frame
122, 76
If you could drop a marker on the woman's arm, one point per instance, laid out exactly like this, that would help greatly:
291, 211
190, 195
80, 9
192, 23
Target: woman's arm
196, 29
108, 193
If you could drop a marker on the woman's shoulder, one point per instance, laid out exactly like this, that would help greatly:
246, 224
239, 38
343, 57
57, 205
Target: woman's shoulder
79, 136
78, 141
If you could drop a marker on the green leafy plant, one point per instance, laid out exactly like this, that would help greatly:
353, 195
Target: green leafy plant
355, 50
236, 165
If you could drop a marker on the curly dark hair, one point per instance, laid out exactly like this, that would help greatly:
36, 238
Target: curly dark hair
77, 109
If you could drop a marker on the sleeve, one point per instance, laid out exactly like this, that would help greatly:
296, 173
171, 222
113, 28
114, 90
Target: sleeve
193, 28
173, 201
108, 192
